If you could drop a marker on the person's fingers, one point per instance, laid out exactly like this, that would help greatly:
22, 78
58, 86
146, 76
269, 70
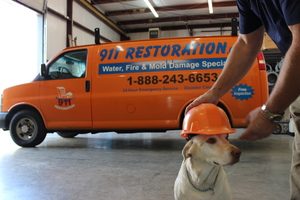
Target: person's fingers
248, 135
189, 108
186, 110
248, 119
252, 133
192, 105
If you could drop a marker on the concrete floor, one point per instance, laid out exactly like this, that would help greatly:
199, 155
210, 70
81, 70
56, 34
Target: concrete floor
140, 166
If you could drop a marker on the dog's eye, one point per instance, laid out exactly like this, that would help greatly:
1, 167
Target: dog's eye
211, 140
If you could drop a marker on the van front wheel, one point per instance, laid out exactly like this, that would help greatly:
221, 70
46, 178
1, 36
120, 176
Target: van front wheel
27, 129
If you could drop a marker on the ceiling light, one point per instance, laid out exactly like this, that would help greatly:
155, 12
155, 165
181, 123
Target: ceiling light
151, 8
120, 48
210, 7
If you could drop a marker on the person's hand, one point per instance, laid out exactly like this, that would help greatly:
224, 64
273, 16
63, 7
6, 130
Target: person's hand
259, 126
208, 97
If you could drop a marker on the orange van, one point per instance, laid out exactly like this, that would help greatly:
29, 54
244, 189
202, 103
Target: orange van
126, 87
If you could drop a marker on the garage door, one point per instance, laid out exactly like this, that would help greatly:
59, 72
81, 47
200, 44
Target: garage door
21, 40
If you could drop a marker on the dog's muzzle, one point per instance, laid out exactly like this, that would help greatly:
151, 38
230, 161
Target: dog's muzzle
235, 153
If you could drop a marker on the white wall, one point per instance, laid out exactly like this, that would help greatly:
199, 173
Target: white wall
58, 5
56, 35
82, 16
35, 4
56, 27
82, 36
180, 33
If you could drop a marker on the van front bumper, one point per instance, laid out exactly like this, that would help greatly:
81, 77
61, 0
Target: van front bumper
3, 120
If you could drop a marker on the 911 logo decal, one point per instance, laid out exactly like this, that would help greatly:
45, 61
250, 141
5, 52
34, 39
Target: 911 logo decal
64, 99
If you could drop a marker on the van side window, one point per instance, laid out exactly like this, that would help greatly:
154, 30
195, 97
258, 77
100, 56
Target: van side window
69, 65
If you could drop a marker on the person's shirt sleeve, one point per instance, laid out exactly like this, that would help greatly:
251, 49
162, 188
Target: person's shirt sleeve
291, 11
248, 21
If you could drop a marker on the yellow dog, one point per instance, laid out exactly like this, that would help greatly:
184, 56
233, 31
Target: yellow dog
201, 175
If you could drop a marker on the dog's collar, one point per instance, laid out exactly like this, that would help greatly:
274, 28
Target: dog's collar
210, 188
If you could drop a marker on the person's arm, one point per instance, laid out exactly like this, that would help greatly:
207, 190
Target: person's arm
238, 63
286, 90
287, 87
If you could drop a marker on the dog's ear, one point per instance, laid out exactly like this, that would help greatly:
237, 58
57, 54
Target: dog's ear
187, 149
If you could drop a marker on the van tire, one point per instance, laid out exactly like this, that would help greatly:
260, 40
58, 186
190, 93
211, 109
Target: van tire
67, 134
27, 128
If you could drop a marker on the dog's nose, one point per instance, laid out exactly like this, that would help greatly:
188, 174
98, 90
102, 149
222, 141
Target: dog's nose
236, 153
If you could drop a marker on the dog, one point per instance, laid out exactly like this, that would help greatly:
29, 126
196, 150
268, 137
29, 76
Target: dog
201, 175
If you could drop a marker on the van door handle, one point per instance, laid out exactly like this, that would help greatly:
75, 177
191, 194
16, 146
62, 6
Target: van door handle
87, 86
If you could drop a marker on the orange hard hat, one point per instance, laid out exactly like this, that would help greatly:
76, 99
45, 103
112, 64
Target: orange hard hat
206, 119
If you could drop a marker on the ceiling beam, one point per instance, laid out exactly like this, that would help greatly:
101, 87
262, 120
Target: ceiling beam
108, 1
193, 26
170, 8
179, 18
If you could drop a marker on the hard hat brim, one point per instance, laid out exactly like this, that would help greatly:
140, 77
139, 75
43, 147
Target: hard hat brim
185, 133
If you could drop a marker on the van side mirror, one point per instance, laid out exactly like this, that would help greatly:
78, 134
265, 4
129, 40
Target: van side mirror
43, 70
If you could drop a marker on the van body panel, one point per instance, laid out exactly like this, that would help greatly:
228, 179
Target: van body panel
150, 89
245, 96
125, 69
24, 94
263, 78
66, 102
137, 85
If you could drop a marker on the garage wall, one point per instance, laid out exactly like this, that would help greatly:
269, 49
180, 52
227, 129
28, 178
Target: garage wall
56, 27
85, 18
37, 5
55, 35
59, 6
83, 26
181, 33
